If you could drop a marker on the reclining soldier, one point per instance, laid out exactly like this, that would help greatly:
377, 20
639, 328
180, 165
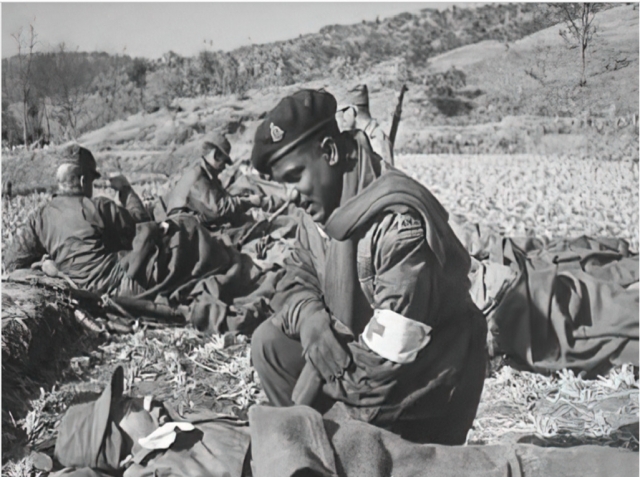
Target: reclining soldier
200, 191
375, 297
84, 236
105, 248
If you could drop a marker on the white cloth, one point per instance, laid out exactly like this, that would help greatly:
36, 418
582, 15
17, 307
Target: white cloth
394, 337
164, 436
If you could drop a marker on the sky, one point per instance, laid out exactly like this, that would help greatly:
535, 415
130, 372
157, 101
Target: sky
152, 28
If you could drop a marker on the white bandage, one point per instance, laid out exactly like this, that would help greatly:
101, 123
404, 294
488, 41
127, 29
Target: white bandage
395, 337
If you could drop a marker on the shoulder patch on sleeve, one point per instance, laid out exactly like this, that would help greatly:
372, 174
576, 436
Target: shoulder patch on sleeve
408, 225
408, 222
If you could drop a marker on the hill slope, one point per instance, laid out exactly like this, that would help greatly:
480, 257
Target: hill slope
513, 113
76, 92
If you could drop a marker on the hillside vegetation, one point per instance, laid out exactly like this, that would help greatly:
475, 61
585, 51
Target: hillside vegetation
72, 92
510, 111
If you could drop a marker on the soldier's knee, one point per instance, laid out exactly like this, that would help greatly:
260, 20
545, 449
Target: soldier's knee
264, 344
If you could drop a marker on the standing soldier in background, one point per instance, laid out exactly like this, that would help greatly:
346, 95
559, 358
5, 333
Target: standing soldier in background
199, 190
356, 115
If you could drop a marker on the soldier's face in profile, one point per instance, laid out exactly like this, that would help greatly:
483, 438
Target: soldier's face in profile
307, 168
349, 119
214, 157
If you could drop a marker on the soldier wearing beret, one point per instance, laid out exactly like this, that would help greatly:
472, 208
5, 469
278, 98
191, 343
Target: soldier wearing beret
84, 236
199, 190
375, 299
356, 115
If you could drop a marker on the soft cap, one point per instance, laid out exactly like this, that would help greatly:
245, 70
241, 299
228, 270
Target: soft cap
296, 118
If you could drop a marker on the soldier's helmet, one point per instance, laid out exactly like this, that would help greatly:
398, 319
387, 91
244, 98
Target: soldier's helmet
218, 141
79, 156
357, 96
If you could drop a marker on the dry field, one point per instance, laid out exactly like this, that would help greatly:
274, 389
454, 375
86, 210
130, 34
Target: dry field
544, 196
540, 195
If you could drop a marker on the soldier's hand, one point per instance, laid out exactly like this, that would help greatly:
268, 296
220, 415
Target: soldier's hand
268, 204
322, 348
255, 200
119, 182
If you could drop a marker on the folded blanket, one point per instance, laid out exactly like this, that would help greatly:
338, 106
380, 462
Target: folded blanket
298, 441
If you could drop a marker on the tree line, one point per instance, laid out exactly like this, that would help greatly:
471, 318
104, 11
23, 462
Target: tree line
58, 95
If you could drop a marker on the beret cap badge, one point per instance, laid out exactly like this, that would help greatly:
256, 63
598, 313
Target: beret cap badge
276, 133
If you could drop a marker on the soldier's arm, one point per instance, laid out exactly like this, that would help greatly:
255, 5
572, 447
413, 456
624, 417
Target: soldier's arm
399, 275
120, 226
299, 293
406, 270
382, 145
134, 205
207, 197
26, 247
130, 199
228, 204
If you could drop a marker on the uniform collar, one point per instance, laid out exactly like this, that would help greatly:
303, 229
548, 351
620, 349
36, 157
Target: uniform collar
68, 194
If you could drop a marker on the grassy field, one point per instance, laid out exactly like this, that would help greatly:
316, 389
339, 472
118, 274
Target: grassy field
188, 372
517, 195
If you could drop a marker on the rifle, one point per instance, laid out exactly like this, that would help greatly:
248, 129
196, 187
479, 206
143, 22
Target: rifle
127, 307
396, 116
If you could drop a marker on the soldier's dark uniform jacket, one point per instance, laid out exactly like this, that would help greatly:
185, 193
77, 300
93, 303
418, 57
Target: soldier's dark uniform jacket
389, 263
200, 191
84, 237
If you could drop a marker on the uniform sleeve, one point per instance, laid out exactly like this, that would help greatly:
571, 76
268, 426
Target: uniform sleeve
26, 247
132, 202
228, 204
213, 201
398, 272
406, 271
382, 145
299, 293
120, 226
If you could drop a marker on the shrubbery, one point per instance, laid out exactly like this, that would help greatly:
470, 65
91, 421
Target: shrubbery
71, 92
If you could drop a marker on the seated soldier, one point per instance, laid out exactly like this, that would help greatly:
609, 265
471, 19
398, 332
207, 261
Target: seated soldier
104, 248
84, 236
200, 191
375, 298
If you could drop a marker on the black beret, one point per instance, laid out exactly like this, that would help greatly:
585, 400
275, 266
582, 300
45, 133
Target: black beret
294, 119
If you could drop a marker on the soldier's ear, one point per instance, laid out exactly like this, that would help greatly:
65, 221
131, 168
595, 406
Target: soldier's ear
330, 150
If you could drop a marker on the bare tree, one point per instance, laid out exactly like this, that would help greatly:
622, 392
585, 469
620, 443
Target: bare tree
71, 82
579, 28
26, 46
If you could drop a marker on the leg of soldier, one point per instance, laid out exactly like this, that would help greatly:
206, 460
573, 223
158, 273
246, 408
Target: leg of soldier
464, 402
452, 426
278, 360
